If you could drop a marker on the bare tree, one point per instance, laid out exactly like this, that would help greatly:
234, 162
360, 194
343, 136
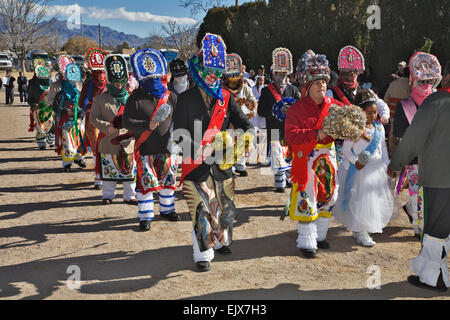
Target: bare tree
21, 22
183, 38
201, 6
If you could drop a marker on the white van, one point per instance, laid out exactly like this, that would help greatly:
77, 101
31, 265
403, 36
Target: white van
5, 62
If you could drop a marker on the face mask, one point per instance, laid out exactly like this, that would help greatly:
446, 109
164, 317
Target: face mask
180, 83
280, 79
421, 92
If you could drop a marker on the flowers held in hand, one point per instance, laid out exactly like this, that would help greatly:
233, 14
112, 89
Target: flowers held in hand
346, 122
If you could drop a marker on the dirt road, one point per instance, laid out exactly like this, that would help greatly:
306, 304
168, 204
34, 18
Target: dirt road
53, 224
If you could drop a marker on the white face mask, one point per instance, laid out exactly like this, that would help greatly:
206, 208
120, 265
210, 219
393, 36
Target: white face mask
180, 83
280, 78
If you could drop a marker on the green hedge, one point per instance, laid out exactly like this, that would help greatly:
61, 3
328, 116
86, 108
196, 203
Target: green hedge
254, 29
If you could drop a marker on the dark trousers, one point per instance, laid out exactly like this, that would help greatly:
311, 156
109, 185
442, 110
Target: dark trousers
9, 95
437, 212
23, 96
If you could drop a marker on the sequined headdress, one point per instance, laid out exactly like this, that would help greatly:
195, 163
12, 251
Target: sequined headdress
116, 69
95, 59
425, 67
282, 60
233, 65
148, 63
312, 67
351, 59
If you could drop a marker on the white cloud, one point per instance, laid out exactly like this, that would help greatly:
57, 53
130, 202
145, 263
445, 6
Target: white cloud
115, 13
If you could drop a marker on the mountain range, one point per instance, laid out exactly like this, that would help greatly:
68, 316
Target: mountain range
109, 36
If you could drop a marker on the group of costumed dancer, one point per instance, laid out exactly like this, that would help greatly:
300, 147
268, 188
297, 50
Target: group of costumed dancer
137, 124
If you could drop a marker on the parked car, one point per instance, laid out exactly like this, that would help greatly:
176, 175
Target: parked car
36, 54
5, 62
128, 59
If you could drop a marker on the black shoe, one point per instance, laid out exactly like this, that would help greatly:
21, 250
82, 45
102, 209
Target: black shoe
97, 187
409, 217
171, 216
203, 266
288, 184
68, 168
107, 201
224, 251
280, 190
41, 148
144, 225
415, 281
132, 202
242, 173
80, 163
323, 244
309, 253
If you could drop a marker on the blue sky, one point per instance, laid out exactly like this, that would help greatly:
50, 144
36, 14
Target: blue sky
109, 13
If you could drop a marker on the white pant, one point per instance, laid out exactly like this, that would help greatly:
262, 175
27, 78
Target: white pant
146, 203
311, 233
109, 190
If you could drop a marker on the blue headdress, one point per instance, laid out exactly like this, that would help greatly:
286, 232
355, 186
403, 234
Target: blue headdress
206, 68
149, 66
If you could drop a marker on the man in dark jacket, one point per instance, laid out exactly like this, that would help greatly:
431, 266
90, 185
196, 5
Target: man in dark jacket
205, 112
9, 88
274, 93
23, 89
428, 138
156, 164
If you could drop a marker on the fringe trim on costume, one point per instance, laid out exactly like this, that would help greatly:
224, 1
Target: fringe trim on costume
429, 263
307, 236
207, 255
322, 228
218, 245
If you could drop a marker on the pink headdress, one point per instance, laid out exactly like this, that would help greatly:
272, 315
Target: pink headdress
425, 67
351, 60
63, 61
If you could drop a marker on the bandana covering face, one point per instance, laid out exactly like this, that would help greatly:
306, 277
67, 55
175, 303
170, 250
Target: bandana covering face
419, 94
208, 82
154, 86
70, 91
349, 85
181, 83
99, 78
280, 79
119, 94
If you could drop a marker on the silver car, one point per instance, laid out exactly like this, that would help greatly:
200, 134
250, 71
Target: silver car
5, 62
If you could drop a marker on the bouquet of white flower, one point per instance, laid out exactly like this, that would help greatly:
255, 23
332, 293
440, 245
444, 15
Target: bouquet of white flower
347, 122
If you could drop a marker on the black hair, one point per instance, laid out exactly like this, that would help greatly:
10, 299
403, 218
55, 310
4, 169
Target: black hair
365, 98
367, 104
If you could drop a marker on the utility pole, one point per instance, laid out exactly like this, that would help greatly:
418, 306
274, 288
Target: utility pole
237, 3
99, 36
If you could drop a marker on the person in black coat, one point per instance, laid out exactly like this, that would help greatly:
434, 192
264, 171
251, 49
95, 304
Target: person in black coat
23, 88
9, 85
275, 128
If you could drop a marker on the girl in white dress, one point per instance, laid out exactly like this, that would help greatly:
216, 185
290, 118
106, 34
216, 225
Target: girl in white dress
365, 202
